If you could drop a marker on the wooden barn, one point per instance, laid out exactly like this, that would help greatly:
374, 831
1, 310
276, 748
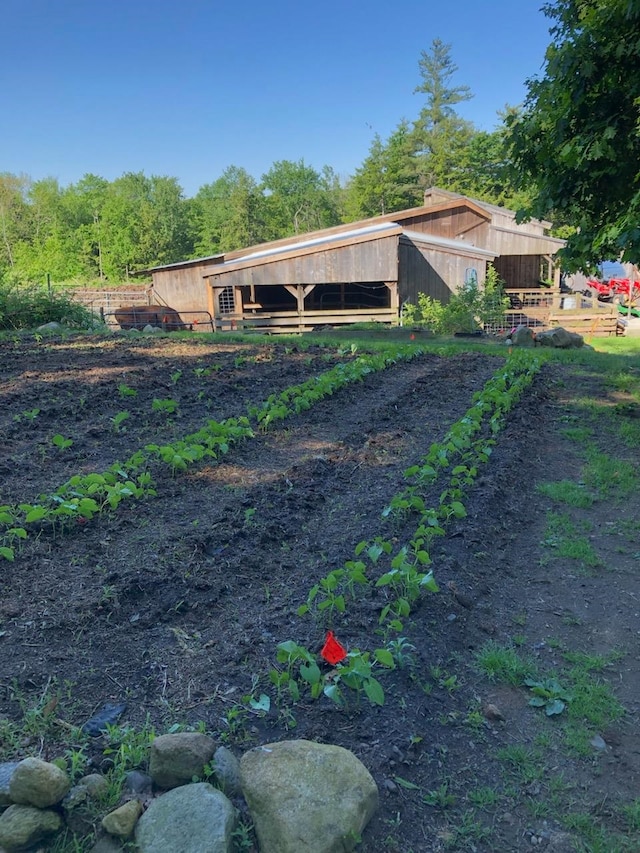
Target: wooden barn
360, 271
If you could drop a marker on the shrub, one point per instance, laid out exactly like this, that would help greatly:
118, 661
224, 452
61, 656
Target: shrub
24, 307
468, 310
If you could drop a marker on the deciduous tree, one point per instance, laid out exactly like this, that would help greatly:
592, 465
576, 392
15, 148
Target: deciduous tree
227, 214
578, 137
299, 199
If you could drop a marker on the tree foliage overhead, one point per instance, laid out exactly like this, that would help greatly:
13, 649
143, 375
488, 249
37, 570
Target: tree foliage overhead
577, 139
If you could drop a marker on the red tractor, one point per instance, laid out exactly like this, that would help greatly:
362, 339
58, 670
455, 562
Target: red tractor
619, 291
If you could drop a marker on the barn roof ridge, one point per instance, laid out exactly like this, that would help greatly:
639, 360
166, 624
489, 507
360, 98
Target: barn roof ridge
396, 216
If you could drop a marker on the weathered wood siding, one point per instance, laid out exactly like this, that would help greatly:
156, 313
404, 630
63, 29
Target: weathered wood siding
434, 272
508, 242
374, 260
459, 223
183, 289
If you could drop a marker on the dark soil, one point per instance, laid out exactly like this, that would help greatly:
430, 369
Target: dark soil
176, 604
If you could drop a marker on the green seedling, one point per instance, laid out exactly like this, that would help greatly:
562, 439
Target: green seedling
326, 596
242, 837
167, 407
61, 442
299, 668
175, 376
373, 550
440, 798
201, 372
27, 415
356, 673
401, 651
446, 681
118, 419
126, 391
548, 694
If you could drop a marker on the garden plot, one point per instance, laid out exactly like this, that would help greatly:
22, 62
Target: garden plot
193, 605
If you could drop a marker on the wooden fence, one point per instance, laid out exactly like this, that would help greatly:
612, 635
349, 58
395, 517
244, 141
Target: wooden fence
106, 301
288, 322
549, 307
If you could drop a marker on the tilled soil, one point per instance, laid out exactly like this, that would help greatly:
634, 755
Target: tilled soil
176, 604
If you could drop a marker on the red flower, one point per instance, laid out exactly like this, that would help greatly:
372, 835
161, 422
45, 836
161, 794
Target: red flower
332, 651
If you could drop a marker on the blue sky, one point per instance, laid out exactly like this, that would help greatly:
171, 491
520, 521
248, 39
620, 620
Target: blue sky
190, 87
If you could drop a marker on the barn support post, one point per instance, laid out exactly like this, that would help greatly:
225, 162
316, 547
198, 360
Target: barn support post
394, 297
300, 292
553, 274
211, 303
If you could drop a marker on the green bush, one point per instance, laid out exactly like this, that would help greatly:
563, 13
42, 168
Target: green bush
26, 307
469, 309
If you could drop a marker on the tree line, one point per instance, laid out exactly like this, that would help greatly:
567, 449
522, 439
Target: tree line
97, 229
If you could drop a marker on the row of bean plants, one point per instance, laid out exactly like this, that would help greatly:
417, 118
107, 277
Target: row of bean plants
406, 576
84, 496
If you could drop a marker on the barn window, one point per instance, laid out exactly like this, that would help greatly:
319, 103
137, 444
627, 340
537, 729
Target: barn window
226, 301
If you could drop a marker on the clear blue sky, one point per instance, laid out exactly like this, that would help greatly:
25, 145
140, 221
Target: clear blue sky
186, 88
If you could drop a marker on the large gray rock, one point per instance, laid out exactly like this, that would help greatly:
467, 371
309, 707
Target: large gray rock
191, 819
523, 337
21, 827
38, 783
6, 772
175, 759
307, 796
560, 338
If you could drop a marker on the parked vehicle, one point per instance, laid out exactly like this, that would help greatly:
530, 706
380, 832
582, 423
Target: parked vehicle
614, 286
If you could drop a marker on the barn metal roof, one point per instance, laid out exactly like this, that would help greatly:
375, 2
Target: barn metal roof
447, 243
382, 229
319, 241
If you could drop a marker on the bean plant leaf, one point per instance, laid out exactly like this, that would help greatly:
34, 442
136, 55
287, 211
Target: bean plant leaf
557, 706
263, 703
36, 513
374, 691
384, 657
310, 673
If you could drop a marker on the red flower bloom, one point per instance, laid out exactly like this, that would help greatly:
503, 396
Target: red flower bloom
332, 651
